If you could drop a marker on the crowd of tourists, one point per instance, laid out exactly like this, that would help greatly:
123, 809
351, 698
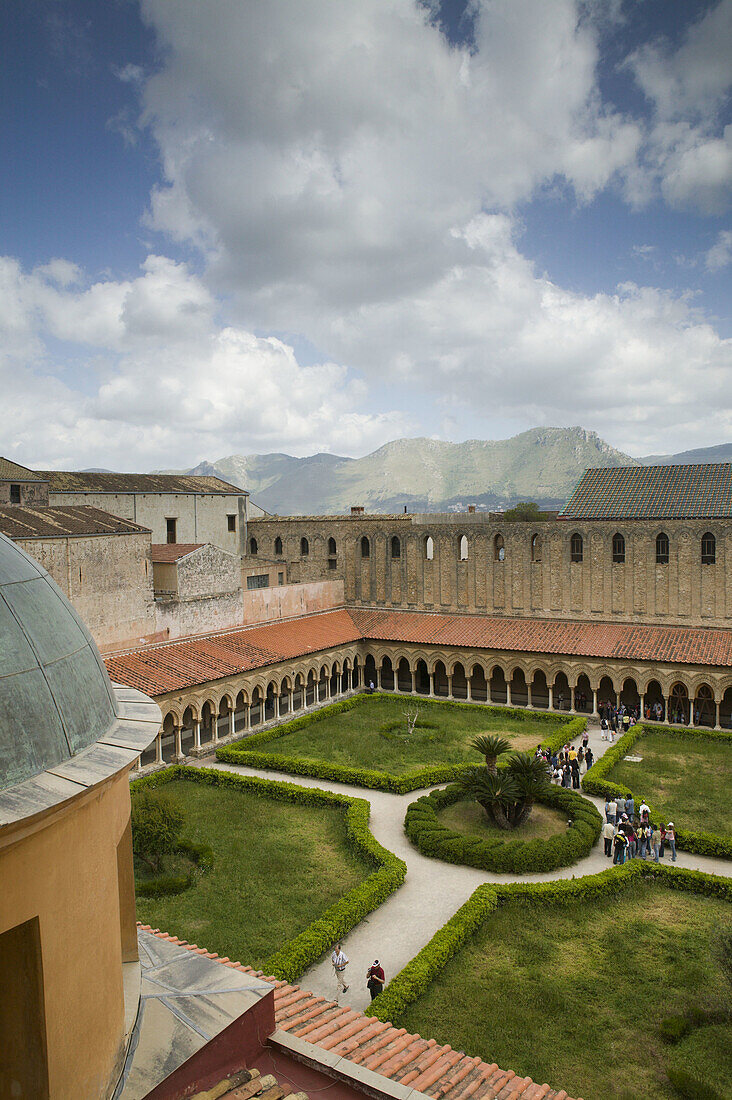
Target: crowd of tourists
566, 766
630, 834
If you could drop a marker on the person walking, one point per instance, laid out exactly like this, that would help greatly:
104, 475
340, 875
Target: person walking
585, 739
608, 832
340, 962
589, 758
375, 979
611, 809
656, 843
620, 843
671, 840
630, 808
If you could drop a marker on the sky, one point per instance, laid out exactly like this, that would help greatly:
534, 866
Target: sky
245, 227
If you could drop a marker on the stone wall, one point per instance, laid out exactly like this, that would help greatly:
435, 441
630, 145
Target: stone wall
290, 600
199, 593
178, 618
108, 579
534, 575
33, 494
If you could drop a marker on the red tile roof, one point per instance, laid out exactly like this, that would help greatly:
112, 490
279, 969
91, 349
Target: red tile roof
422, 1064
170, 666
172, 551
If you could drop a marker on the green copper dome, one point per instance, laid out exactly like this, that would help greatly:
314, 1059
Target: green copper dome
55, 694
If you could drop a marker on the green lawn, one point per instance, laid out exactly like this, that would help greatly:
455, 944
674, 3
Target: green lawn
574, 995
277, 866
470, 818
689, 782
354, 737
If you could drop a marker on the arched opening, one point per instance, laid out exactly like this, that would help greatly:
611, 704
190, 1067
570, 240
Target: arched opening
241, 709
422, 678
606, 696
576, 548
346, 675
387, 674
459, 682
629, 697
278, 546
222, 718
618, 548
708, 549
335, 681
463, 547
356, 677
256, 709
304, 547
478, 685
332, 548
365, 547
323, 684
253, 547
208, 717
583, 694
396, 547
187, 739
404, 676
704, 707
369, 672
497, 683
284, 697
539, 690
536, 547
270, 702
429, 548
442, 686
311, 689
725, 710
654, 706
519, 689
678, 704
298, 694
662, 548
561, 693
499, 548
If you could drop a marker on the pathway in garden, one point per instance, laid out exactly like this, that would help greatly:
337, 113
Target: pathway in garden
433, 890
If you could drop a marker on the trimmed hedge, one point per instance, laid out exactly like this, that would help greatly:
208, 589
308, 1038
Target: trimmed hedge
411, 982
296, 956
240, 752
594, 782
507, 851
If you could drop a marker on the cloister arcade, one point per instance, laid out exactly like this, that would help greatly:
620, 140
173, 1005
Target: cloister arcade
195, 721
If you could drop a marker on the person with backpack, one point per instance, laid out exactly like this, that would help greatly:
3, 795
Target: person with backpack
620, 845
375, 979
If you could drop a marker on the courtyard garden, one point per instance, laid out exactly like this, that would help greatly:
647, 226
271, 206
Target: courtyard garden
287, 869
368, 739
590, 994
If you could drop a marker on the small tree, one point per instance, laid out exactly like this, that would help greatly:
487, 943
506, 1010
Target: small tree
508, 795
411, 720
156, 826
524, 511
491, 746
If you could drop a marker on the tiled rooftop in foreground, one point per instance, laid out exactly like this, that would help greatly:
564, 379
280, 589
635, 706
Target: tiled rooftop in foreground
170, 666
422, 1065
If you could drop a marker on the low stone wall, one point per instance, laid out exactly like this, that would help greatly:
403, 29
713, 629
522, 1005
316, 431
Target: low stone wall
287, 601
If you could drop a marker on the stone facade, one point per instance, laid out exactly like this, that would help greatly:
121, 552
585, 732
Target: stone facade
199, 592
473, 563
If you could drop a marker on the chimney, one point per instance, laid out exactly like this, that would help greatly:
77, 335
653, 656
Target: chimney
471, 507
357, 510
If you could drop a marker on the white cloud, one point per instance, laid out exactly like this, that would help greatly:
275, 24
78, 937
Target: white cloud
720, 254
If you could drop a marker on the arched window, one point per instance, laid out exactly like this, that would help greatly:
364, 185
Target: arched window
278, 545
499, 548
662, 548
708, 549
396, 547
304, 547
253, 547
463, 547
365, 547
536, 547
332, 549
576, 548
618, 548
429, 548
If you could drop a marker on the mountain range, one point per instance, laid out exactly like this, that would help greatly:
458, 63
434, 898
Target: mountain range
542, 464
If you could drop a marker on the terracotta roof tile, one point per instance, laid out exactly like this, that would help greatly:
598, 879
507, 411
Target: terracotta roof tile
173, 551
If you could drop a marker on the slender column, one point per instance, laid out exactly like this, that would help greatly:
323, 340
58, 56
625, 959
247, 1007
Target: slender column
716, 715
665, 709
449, 688
529, 701
642, 704
551, 696
196, 733
215, 727
691, 712
159, 748
290, 697
178, 746
432, 684
247, 716
508, 693
594, 703
470, 689
232, 722
277, 706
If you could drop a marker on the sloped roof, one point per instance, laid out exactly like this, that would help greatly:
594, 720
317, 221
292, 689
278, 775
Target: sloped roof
653, 492
79, 481
170, 666
173, 551
11, 471
20, 522
411, 1060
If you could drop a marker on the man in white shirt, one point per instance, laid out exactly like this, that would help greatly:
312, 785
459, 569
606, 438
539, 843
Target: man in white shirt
340, 962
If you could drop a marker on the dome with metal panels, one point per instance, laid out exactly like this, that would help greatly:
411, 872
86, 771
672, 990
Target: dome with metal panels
55, 695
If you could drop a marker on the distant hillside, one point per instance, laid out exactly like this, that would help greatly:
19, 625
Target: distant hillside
543, 464
722, 453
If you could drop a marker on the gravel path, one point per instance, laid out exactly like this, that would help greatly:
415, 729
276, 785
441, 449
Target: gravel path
433, 890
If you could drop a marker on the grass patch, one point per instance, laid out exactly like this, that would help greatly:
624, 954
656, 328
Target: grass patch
470, 819
276, 867
574, 995
691, 781
706, 1055
367, 736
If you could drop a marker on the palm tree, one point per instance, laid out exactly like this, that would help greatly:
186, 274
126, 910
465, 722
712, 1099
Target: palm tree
491, 746
497, 794
531, 775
